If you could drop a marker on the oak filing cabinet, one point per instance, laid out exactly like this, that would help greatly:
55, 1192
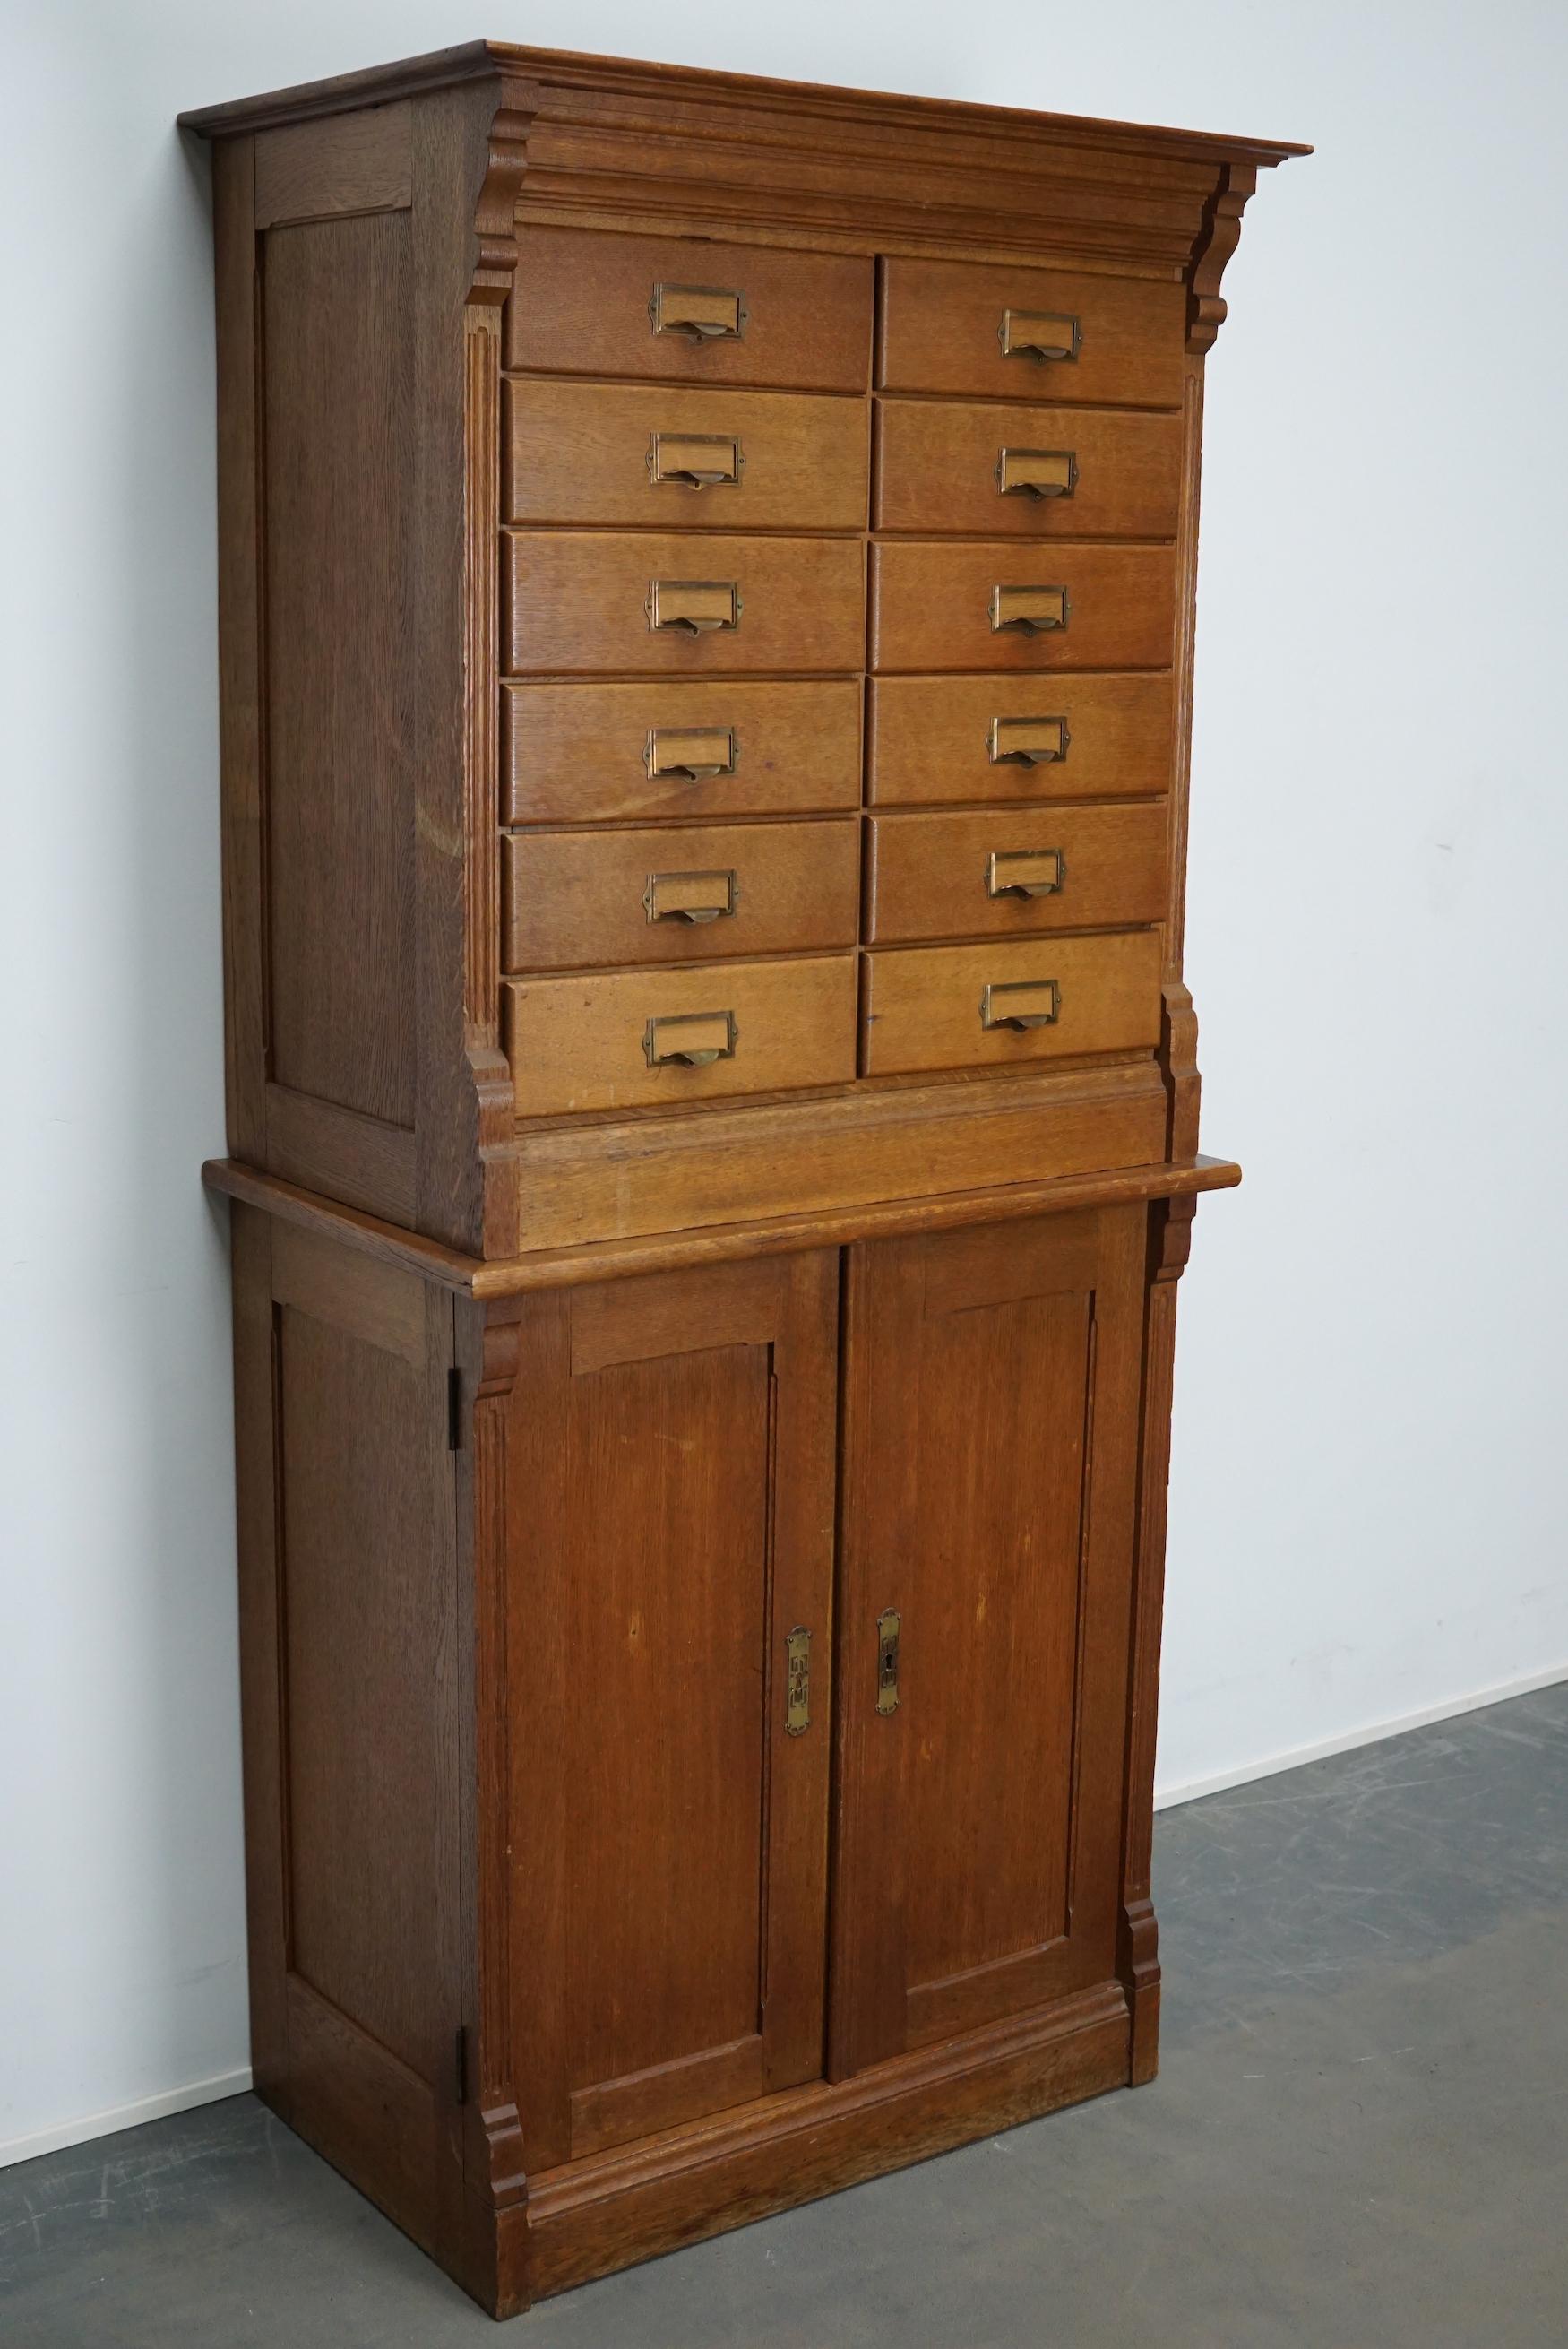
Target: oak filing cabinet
707, 596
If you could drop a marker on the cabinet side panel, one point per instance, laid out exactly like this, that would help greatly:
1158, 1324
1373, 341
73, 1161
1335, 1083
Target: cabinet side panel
353, 1695
337, 422
361, 1625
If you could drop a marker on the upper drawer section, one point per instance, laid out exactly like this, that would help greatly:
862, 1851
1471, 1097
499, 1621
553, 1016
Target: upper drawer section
688, 310
1022, 333
584, 452
613, 753
686, 606
956, 603
1036, 471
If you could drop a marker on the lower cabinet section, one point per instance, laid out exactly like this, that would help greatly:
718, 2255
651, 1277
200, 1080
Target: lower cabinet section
688, 1721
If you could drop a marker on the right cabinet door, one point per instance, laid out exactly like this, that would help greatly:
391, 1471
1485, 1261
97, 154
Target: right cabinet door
992, 1411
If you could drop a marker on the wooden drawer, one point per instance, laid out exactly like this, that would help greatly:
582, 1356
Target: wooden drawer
1123, 338
582, 452
1010, 872
936, 739
1058, 472
583, 304
679, 893
585, 1043
589, 603
929, 1007
936, 605
608, 753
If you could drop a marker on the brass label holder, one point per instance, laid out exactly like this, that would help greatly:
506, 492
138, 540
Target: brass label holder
1027, 742
1007, 1005
705, 314
696, 753
890, 1629
797, 1684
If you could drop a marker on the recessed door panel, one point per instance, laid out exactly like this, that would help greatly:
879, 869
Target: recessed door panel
671, 1544
991, 1458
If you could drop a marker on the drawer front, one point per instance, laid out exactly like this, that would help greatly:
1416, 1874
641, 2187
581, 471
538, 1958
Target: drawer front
1036, 473
580, 452
616, 753
1031, 334
671, 1037
1001, 605
683, 892
590, 305
1010, 873
1003, 739
1005, 1005
689, 605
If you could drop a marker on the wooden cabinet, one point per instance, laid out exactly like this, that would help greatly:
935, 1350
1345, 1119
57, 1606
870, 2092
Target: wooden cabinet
706, 588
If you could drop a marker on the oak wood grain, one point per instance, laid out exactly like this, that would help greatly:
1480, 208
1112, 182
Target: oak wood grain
940, 321
576, 602
931, 605
582, 308
924, 1007
581, 754
938, 461
930, 739
937, 876
338, 418
992, 1385
580, 452
575, 899
579, 1043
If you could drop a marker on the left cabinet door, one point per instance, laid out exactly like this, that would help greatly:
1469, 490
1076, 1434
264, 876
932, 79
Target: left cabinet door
670, 1550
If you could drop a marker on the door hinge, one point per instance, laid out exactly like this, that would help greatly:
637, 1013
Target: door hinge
454, 1410
462, 2064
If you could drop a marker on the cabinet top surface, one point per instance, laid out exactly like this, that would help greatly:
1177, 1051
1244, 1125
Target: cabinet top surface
564, 70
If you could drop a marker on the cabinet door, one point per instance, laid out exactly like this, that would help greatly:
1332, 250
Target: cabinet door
991, 1459
669, 1587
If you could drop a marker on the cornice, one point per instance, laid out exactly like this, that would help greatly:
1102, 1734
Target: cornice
567, 70
606, 141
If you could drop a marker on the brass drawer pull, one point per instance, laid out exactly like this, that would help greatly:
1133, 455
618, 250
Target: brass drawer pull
889, 1627
698, 460
691, 1040
1022, 1003
797, 1686
1025, 872
692, 606
1030, 611
1036, 473
707, 313
697, 752
1027, 741
690, 896
1038, 334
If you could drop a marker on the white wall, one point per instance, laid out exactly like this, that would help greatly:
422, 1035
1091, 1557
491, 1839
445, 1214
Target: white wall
1368, 1510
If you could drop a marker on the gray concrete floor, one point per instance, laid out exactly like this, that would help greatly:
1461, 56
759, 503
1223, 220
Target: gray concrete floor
1359, 2136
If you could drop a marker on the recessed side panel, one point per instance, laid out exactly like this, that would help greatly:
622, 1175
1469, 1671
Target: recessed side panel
337, 433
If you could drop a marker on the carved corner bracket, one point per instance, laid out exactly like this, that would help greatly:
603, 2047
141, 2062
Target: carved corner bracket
495, 212
1179, 1062
1218, 239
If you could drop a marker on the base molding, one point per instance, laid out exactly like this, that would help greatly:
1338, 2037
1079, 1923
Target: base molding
593, 2217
